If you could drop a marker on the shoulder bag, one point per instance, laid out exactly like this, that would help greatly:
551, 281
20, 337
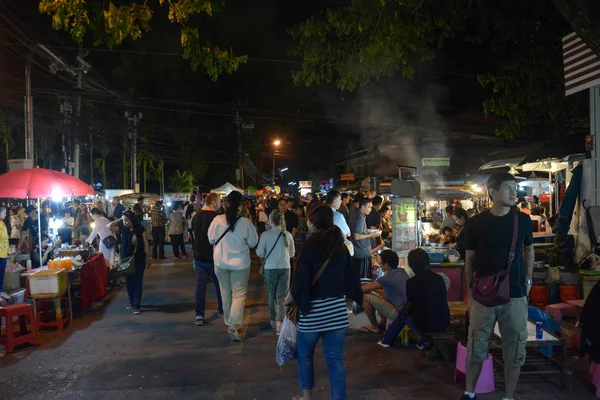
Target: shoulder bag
291, 308
494, 290
110, 241
262, 267
126, 265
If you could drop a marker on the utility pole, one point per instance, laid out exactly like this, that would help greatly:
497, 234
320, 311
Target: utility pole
240, 125
133, 120
77, 136
66, 109
238, 121
92, 162
56, 65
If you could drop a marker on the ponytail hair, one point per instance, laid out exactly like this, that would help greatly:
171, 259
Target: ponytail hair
278, 219
233, 203
330, 236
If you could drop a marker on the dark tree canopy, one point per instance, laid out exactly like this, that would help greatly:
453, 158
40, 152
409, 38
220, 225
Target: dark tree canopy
512, 46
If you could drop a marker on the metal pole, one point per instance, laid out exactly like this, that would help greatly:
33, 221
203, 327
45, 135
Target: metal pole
240, 151
39, 211
595, 131
77, 137
92, 163
273, 175
29, 107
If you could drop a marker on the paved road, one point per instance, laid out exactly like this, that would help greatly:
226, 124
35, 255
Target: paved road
161, 354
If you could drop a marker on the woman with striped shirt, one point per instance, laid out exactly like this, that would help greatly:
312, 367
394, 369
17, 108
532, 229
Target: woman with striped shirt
323, 312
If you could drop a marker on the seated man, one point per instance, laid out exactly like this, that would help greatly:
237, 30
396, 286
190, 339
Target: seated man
393, 284
426, 310
447, 237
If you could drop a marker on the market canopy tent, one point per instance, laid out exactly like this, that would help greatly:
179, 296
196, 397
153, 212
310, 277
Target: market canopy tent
39, 183
226, 189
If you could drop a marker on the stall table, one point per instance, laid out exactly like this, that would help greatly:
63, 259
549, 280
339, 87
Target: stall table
456, 273
94, 280
536, 363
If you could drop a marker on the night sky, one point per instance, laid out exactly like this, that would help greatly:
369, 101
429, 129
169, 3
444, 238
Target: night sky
318, 124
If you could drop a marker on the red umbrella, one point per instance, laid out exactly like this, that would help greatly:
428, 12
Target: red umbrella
40, 182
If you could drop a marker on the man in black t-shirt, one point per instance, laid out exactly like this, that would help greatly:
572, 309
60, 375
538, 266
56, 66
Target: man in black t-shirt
30, 231
488, 245
291, 219
203, 255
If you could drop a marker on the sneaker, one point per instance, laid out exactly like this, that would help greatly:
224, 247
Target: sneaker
177, 258
220, 315
382, 344
420, 346
137, 311
186, 256
199, 320
467, 397
129, 306
4, 296
234, 335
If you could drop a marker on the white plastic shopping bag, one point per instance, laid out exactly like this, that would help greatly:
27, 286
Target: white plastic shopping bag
286, 344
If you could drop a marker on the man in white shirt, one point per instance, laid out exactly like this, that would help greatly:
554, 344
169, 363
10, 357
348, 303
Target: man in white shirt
334, 200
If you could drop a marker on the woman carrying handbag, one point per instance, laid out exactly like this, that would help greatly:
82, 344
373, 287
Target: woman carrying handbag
135, 251
276, 247
325, 273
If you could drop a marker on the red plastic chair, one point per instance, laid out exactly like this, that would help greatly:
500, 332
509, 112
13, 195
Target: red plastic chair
12, 338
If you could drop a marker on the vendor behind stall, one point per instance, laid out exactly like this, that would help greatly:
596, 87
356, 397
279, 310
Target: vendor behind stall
30, 232
460, 218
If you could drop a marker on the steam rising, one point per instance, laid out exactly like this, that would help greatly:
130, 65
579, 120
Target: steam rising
402, 129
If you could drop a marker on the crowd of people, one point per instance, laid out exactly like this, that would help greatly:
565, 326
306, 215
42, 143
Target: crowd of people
319, 253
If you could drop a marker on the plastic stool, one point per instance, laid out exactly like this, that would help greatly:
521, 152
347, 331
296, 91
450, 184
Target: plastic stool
12, 339
558, 311
594, 377
485, 383
61, 312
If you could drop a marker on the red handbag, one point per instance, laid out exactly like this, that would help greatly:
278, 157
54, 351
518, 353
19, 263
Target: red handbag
494, 290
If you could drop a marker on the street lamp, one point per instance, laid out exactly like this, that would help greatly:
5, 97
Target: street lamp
276, 143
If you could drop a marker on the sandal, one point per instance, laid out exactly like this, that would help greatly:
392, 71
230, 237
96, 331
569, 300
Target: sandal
369, 329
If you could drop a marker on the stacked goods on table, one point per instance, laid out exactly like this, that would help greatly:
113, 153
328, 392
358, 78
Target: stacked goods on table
67, 263
85, 252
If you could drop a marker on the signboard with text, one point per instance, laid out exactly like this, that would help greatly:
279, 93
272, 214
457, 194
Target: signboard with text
404, 229
305, 184
436, 162
347, 177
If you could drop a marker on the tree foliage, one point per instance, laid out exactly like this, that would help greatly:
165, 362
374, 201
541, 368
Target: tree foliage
182, 182
112, 24
514, 46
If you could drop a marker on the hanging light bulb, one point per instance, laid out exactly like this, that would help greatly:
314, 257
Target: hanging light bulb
513, 170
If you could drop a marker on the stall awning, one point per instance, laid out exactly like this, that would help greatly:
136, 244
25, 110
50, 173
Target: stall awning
555, 149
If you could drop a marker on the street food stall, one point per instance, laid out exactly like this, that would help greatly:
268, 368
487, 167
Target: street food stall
48, 184
407, 235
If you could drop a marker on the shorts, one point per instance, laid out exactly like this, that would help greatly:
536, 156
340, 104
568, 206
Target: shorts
512, 321
383, 307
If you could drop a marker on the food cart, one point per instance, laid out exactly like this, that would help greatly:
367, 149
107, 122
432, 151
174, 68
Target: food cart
407, 235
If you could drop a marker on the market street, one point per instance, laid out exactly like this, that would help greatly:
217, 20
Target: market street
111, 354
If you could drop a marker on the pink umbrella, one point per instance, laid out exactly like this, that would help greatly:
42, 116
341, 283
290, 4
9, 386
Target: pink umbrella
40, 182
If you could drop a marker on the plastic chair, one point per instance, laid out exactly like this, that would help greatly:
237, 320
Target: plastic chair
558, 311
485, 383
12, 338
61, 314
